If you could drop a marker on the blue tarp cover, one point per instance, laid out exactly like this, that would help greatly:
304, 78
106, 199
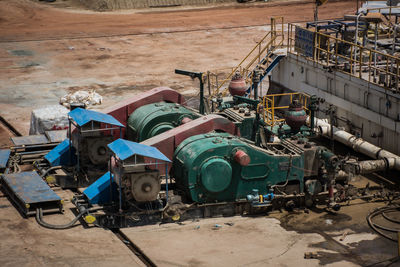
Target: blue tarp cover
125, 149
99, 191
82, 116
60, 156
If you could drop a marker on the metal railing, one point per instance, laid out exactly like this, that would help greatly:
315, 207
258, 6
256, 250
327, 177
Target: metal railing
218, 81
270, 105
355, 60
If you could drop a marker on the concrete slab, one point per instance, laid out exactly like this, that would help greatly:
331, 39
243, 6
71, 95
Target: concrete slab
25, 243
257, 241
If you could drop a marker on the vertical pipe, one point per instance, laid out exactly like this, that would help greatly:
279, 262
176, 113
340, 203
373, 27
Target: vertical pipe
376, 40
208, 83
166, 181
356, 38
332, 140
201, 108
391, 61
77, 151
273, 110
110, 169
351, 59
312, 116
120, 188
70, 142
328, 52
360, 63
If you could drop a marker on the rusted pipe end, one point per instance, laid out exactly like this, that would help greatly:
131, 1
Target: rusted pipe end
242, 158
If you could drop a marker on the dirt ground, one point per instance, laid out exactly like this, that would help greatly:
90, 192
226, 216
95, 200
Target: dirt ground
47, 51
122, 53
25, 243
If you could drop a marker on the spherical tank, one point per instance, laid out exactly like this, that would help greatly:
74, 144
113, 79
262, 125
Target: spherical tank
237, 86
296, 116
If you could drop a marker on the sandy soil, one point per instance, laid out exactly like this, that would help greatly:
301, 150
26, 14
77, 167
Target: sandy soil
46, 52
24, 20
115, 53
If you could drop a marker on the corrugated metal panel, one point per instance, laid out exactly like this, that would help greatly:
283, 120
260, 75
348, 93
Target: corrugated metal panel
125, 149
30, 140
4, 156
82, 116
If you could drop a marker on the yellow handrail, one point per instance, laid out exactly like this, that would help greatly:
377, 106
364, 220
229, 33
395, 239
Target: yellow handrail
273, 42
269, 102
330, 56
241, 62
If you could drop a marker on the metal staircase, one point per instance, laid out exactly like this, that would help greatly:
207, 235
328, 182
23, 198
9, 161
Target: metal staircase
264, 68
256, 65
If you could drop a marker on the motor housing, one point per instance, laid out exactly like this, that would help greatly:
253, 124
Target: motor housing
153, 119
221, 167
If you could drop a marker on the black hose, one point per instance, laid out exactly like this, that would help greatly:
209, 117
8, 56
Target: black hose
39, 219
378, 228
389, 218
50, 169
287, 177
391, 261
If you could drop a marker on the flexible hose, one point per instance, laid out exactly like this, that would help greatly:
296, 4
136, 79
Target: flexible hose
389, 218
39, 219
50, 169
378, 228
287, 177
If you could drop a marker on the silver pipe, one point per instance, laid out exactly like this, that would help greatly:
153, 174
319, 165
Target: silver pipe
375, 47
396, 27
370, 166
356, 42
358, 144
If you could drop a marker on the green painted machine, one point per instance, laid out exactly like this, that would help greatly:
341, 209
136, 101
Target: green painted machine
153, 119
219, 167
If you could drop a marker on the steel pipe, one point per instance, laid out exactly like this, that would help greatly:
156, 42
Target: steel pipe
358, 144
370, 166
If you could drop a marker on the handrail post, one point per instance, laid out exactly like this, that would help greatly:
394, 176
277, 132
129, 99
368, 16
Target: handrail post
360, 62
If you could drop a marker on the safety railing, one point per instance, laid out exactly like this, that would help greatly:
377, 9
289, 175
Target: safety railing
218, 82
391, 14
280, 102
355, 60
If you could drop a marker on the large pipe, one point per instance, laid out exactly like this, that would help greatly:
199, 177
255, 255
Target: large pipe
358, 144
370, 166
